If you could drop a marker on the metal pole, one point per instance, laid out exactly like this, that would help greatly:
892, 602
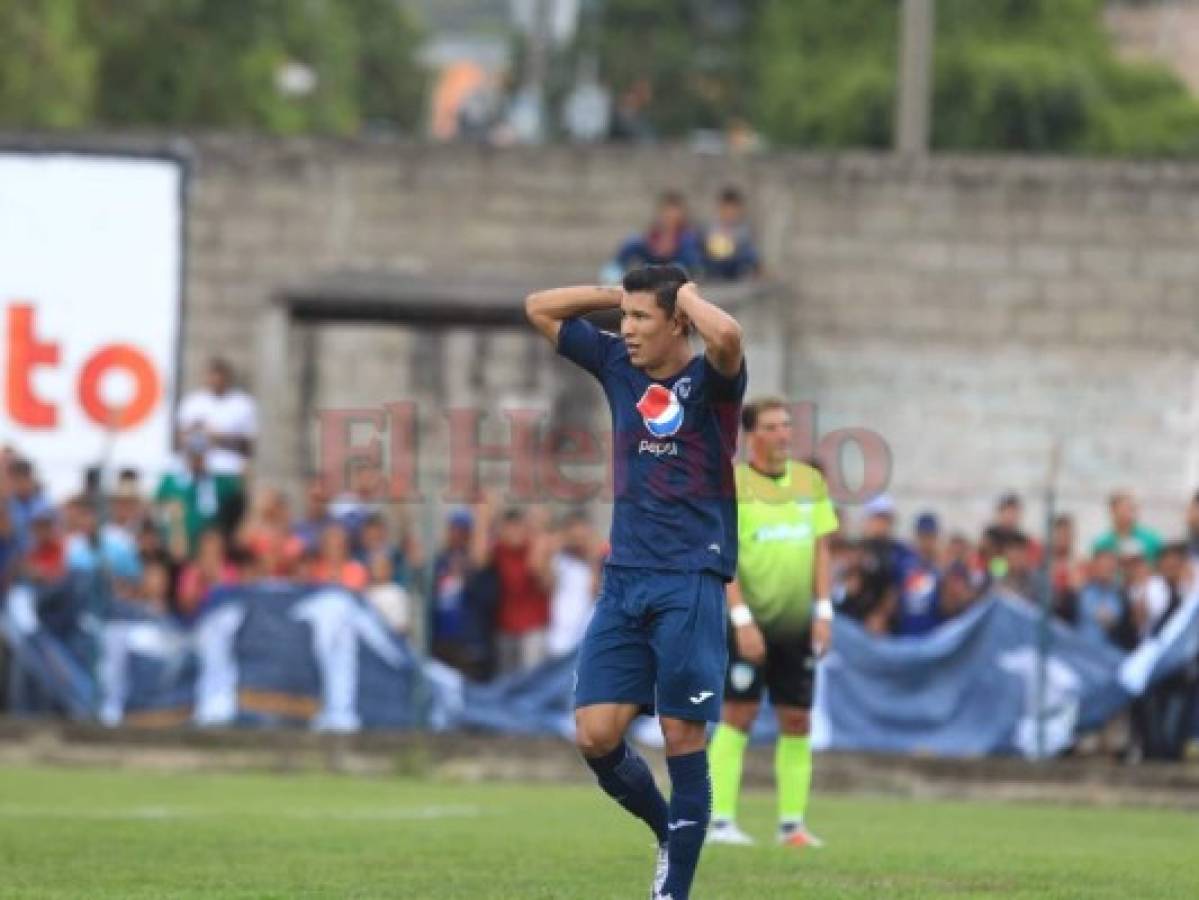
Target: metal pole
913, 116
1046, 595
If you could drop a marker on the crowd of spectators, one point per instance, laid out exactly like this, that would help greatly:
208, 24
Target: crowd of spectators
508, 588
1122, 590
722, 250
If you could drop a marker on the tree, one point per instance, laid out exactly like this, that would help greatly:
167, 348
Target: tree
1032, 75
694, 56
46, 65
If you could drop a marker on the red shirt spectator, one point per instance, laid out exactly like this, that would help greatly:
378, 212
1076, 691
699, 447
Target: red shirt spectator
210, 569
524, 604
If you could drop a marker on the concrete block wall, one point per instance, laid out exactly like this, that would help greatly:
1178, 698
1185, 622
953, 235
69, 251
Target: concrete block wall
971, 310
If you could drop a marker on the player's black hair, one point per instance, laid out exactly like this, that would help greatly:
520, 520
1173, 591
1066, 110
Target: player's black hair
661, 281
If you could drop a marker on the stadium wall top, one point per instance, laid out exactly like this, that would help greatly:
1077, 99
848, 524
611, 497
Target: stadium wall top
972, 310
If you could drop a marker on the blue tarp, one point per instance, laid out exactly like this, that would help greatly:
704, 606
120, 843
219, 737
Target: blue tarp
969, 688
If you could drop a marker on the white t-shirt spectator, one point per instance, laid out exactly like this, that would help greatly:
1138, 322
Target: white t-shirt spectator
231, 413
570, 605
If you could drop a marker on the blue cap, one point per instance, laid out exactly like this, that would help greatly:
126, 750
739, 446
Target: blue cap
462, 518
926, 523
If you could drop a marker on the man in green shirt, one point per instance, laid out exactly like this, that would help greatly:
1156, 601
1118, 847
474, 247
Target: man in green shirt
193, 499
1127, 530
780, 619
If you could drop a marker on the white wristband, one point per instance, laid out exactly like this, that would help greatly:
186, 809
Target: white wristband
823, 608
740, 616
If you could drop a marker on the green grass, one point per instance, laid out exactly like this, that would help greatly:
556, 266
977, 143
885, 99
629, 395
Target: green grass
99, 834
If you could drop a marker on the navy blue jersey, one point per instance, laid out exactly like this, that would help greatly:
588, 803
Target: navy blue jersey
673, 440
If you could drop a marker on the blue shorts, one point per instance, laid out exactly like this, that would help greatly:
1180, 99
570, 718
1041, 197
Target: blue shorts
657, 639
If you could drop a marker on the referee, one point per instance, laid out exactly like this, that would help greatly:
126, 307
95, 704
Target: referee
778, 630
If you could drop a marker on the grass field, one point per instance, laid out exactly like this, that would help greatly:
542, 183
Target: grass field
97, 834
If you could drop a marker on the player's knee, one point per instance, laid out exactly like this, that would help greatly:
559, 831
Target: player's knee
682, 737
794, 721
595, 739
740, 715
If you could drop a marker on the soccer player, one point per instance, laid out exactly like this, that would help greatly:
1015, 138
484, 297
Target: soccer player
777, 629
657, 638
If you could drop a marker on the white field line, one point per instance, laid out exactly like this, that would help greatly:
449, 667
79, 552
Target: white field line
156, 813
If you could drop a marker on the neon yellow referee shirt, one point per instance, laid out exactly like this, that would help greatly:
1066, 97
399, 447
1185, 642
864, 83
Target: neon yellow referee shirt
778, 522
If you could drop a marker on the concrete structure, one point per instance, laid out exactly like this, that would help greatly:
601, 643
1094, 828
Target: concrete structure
972, 311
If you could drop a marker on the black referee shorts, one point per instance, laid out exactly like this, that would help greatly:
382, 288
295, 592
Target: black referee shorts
789, 673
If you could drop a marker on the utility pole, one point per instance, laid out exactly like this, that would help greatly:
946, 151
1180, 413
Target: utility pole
913, 117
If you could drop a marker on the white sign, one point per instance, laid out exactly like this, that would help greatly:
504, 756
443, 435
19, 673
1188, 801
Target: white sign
91, 259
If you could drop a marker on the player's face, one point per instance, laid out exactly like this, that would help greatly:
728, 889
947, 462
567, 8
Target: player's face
649, 335
771, 439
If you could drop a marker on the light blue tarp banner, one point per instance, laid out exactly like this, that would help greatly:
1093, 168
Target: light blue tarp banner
970, 688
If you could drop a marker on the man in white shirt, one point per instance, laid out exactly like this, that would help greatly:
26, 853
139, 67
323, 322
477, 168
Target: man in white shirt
226, 415
573, 569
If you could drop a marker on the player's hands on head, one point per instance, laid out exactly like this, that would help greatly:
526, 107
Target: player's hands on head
751, 645
690, 289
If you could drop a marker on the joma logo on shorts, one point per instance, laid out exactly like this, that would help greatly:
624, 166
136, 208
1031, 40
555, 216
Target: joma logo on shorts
659, 448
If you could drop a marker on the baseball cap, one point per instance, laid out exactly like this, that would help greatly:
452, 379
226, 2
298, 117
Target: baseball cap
881, 505
926, 523
461, 518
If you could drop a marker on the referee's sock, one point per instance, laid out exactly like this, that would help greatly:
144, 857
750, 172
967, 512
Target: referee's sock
726, 753
690, 811
793, 773
624, 775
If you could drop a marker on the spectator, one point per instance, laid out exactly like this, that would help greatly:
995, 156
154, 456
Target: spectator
102, 550
366, 497
195, 498
1164, 717
958, 589
1148, 595
388, 598
1009, 515
730, 253
154, 591
1125, 527
211, 568
334, 565
45, 562
226, 416
1067, 574
670, 239
11, 544
316, 514
523, 604
630, 119
25, 498
1192, 529
574, 571
374, 541
919, 608
127, 507
870, 592
464, 600
878, 530
1101, 603
1020, 574
268, 534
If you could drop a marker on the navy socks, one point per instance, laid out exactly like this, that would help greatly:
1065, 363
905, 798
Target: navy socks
690, 812
628, 780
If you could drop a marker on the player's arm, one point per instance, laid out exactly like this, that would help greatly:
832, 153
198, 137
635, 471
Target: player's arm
751, 645
719, 331
822, 608
547, 310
